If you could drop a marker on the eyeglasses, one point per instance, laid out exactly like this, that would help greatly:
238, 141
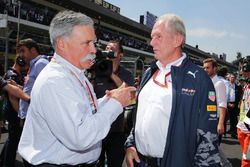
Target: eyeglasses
165, 85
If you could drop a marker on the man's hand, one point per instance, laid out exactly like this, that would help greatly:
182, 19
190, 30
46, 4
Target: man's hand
231, 105
131, 155
12, 82
220, 128
122, 94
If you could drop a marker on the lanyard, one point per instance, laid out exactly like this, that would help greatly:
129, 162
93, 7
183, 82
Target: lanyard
92, 101
91, 96
165, 85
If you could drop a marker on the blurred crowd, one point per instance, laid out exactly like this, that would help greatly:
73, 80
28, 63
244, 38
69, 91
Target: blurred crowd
186, 107
43, 15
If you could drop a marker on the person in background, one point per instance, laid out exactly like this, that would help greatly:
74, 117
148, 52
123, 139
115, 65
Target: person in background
11, 108
113, 144
176, 107
29, 51
222, 74
235, 93
243, 130
210, 66
242, 82
13, 89
65, 123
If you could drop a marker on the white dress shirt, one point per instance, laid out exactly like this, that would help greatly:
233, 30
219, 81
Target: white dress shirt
153, 113
226, 82
60, 127
221, 95
231, 93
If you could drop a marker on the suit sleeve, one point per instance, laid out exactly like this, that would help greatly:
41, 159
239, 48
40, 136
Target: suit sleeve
207, 153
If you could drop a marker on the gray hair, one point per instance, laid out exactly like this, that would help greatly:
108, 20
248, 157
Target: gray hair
173, 23
63, 23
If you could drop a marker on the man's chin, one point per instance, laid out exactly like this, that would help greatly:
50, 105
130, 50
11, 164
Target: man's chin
156, 56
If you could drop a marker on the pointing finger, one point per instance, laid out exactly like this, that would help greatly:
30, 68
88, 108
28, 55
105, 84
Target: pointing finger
122, 86
130, 89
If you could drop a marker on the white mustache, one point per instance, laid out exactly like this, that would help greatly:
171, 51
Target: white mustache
89, 57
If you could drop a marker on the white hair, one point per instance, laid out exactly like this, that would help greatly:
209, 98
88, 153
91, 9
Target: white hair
63, 23
173, 22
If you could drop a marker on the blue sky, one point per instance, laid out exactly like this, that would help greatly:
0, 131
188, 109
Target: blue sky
217, 26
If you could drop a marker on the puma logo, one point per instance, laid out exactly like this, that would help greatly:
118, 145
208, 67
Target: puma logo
213, 115
192, 73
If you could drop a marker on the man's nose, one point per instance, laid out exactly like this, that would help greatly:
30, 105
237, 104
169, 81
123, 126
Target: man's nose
92, 49
151, 42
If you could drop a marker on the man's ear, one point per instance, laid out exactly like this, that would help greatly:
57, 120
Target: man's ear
60, 44
215, 70
121, 55
33, 51
179, 39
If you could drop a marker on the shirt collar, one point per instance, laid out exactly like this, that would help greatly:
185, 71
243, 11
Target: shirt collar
215, 78
60, 60
33, 61
174, 63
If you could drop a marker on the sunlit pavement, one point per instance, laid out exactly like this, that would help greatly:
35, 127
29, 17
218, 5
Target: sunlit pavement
232, 150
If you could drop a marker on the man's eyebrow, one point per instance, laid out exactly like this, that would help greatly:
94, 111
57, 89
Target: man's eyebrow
87, 41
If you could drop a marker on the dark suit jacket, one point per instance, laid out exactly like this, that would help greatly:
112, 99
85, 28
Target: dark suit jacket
238, 94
